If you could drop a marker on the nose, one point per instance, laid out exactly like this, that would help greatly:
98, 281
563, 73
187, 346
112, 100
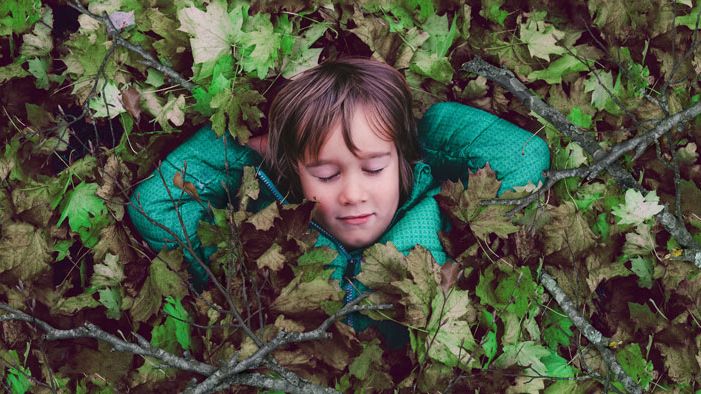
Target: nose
353, 191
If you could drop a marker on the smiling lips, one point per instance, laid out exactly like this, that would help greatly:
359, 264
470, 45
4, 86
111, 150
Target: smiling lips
355, 220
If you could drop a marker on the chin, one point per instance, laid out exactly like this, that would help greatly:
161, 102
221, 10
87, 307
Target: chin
352, 244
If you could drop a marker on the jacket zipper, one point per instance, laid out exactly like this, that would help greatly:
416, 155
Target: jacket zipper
351, 262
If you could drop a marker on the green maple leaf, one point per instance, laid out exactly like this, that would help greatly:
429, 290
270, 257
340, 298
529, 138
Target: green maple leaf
213, 31
635, 365
580, 118
540, 360
38, 67
235, 110
302, 56
175, 330
588, 194
512, 291
180, 320
602, 89
637, 209
371, 355
449, 331
431, 65
111, 299
441, 34
564, 65
557, 329
84, 57
491, 9
17, 375
541, 38
86, 212
16, 16
260, 46
690, 20
313, 263
644, 269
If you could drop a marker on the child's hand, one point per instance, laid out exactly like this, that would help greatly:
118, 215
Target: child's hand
259, 144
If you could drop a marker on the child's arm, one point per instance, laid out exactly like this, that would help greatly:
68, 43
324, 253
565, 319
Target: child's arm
456, 137
203, 158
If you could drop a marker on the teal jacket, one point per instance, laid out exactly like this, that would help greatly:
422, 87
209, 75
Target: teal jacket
454, 138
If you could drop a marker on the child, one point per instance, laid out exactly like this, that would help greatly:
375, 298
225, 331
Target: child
342, 134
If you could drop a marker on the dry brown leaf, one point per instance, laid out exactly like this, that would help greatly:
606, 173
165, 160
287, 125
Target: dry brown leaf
185, 186
450, 272
288, 325
130, 100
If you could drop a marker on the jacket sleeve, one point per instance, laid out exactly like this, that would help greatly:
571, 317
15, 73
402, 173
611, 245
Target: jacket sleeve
456, 138
203, 158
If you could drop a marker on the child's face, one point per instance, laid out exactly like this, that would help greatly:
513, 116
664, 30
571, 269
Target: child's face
356, 196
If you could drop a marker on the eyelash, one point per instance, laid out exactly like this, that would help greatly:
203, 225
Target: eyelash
330, 178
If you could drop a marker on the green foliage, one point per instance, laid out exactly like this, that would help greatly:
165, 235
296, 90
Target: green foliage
635, 365
17, 16
86, 212
175, 330
483, 325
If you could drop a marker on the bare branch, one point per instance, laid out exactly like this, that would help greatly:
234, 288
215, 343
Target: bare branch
282, 338
89, 330
218, 379
591, 333
148, 59
552, 176
507, 80
641, 142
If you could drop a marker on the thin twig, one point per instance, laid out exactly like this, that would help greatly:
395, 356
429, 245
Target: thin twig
591, 333
89, 330
283, 338
507, 80
148, 59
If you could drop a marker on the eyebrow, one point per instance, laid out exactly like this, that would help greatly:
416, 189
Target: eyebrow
366, 156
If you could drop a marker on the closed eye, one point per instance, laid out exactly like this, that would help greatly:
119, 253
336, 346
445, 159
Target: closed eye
327, 178
375, 172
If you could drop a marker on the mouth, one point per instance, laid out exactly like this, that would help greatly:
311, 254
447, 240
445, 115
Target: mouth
356, 219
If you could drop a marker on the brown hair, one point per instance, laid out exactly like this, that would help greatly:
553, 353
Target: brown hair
309, 106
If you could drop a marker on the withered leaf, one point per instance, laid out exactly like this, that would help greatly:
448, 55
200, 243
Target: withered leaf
306, 297
272, 258
24, 251
185, 186
450, 272
131, 100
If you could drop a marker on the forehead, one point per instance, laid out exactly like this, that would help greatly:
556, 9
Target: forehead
365, 139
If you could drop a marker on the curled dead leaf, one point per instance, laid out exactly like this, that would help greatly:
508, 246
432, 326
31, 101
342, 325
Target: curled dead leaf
130, 99
185, 186
450, 272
